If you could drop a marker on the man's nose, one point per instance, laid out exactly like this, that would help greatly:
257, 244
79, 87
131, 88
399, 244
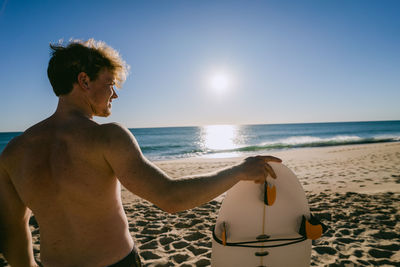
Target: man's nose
114, 94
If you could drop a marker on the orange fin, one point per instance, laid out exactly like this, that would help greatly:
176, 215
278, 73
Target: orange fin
269, 194
224, 237
312, 229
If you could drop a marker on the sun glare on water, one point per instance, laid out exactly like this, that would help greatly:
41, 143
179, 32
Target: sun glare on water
222, 138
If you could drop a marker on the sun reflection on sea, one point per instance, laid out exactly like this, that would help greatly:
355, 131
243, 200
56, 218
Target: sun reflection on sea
220, 138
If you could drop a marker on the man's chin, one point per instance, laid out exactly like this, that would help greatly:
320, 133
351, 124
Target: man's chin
104, 114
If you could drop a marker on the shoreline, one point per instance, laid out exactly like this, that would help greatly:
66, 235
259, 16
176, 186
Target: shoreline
353, 189
307, 163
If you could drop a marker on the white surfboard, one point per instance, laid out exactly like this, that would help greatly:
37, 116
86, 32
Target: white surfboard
246, 217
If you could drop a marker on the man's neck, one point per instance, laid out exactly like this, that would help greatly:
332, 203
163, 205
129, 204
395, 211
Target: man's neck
69, 107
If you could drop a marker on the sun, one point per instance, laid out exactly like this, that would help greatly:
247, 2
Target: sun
220, 82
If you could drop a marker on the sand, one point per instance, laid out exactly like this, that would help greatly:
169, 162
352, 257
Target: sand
354, 190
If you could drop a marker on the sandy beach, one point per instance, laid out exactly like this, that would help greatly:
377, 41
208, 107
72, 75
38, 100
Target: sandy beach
354, 190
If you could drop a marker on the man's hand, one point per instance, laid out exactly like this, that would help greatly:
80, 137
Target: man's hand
257, 168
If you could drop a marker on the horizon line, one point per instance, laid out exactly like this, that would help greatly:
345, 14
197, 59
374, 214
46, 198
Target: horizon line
249, 124
255, 124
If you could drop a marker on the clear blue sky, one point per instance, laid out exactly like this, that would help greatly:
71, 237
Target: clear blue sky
281, 61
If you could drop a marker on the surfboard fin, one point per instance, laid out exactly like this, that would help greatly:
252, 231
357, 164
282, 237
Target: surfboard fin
269, 194
223, 237
312, 229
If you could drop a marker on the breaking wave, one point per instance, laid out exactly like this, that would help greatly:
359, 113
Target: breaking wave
310, 141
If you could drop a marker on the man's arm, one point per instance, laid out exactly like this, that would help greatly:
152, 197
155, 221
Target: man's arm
16, 237
144, 179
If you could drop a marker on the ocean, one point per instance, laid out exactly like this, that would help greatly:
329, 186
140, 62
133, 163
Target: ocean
217, 141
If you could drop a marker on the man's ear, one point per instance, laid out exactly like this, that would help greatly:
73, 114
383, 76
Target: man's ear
83, 80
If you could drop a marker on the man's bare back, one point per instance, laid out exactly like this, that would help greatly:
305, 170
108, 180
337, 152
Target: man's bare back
59, 171
67, 169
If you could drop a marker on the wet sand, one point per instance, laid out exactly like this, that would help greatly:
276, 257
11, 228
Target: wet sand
354, 190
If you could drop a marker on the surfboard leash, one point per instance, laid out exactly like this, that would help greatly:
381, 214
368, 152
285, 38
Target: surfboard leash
248, 244
309, 229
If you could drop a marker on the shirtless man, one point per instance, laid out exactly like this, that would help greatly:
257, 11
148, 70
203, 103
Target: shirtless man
67, 169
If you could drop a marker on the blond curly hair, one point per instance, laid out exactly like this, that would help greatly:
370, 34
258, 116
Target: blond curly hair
90, 56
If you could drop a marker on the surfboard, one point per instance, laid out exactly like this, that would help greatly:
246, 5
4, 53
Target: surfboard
258, 229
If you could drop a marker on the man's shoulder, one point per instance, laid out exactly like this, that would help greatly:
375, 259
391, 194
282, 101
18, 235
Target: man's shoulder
18, 145
117, 137
114, 130
11, 153
21, 141
112, 127
12, 147
115, 133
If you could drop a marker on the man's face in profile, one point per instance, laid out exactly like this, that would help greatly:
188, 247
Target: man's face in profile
102, 93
